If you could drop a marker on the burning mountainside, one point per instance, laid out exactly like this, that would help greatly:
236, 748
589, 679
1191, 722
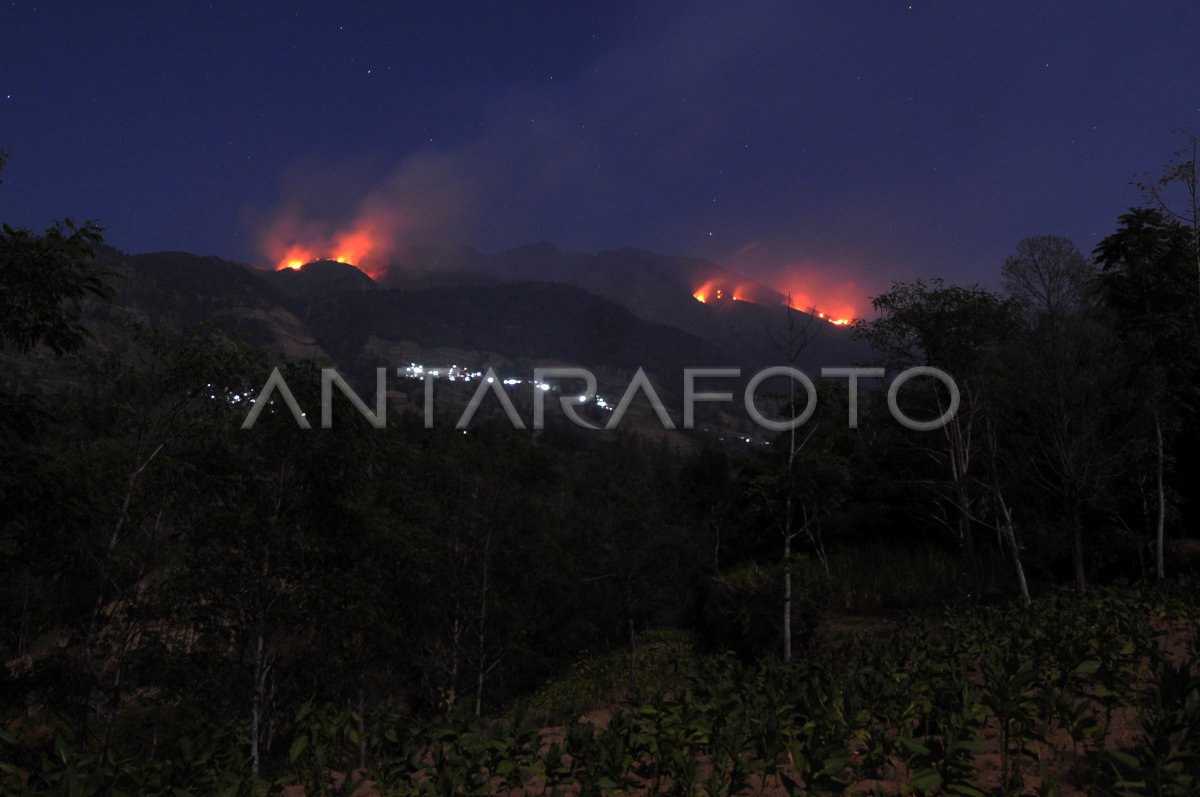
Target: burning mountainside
712, 292
298, 256
837, 322
719, 289
829, 288
359, 246
638, 280
360, 214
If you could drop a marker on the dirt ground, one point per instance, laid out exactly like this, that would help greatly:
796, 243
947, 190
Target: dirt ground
1056, 762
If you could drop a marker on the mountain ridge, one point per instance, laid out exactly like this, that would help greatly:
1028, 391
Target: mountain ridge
619, 308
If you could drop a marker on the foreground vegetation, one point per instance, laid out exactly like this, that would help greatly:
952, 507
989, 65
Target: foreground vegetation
1094, 696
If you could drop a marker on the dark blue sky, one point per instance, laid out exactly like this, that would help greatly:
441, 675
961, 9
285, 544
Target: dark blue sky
845, 143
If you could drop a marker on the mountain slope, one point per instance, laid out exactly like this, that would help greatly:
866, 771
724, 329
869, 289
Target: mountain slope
525, 306
656, 288
177, 290
525, 321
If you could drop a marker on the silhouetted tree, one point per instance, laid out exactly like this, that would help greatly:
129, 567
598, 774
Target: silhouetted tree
1146, 268
951, 328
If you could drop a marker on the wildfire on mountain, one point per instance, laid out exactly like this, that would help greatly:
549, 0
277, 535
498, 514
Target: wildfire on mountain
712, 292
357, 246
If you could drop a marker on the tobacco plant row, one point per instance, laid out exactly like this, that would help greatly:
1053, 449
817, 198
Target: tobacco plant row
914, 711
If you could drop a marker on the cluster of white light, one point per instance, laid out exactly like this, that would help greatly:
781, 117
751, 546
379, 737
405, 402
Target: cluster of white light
457, 373
452, 372
232, 398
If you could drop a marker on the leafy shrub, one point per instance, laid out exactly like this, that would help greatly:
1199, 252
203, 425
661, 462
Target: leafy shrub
743, 608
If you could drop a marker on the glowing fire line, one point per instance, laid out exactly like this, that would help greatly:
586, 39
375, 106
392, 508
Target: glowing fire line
710, 292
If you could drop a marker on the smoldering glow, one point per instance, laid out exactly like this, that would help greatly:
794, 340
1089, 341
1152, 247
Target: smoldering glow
347, 213
715, 292
832, 286
831, 308
837, 322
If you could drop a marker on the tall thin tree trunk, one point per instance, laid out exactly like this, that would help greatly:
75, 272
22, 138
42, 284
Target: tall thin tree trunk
716, 523
967, 534
1010, 538
1077, 548
794, 341
787, 532
958, 442
93, 629
627, 598
482, 649
256, 710
787, 586
632, 655
114, 703
262, 653
1159, 568
1004, 521
362, 726
23, 629
480, 675
452, 693
1005, 528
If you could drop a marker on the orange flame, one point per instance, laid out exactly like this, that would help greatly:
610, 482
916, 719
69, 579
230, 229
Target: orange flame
713, 292
838, 313
358, 246
295, 257
843, 317
832, 290
366, 242
353, 212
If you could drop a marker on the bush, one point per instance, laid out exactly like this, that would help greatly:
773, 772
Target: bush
743, 608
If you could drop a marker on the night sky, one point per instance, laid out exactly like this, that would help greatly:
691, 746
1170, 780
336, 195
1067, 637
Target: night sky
848, 143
